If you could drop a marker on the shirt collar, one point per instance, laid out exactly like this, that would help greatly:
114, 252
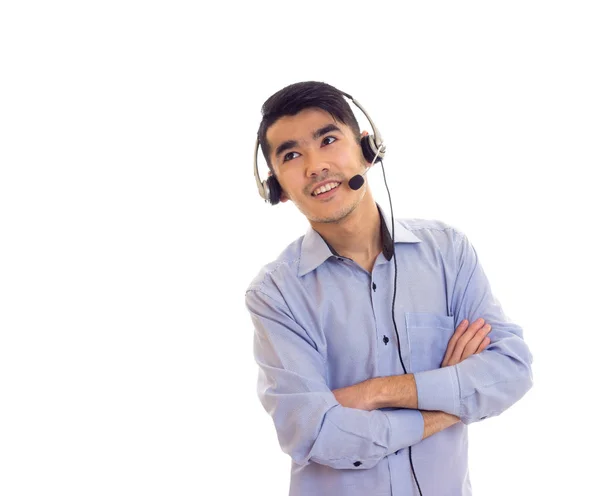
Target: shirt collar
315, 250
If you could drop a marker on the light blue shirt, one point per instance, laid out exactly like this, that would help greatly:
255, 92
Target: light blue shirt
322, 322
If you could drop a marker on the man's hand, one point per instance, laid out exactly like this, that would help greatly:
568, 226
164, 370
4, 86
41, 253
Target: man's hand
466, 341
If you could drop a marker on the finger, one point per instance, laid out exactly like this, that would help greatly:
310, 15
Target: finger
462, 327
484, 344
463, 340
474, 343
452, 343
453, 339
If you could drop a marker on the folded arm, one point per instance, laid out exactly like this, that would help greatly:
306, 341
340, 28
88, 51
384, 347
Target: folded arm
398, 391
482, 385
311, 424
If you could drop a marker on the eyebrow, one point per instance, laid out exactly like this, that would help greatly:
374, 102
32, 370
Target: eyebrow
286, 145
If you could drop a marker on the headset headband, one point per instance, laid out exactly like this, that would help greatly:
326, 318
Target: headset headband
374, 144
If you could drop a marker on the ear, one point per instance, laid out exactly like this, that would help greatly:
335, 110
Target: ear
364, 133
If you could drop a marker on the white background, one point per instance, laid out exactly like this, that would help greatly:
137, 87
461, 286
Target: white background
130, 224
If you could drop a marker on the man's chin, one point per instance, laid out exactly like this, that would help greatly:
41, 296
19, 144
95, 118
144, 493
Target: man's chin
332, 216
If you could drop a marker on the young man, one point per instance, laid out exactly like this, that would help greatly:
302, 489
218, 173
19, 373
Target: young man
359, 412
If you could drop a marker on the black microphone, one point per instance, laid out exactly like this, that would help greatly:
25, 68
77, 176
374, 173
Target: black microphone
357, 181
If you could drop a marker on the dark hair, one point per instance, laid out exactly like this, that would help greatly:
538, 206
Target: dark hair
299, 96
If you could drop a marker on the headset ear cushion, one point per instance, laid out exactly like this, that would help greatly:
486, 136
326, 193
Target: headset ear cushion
274, 190
368, 153
369, 148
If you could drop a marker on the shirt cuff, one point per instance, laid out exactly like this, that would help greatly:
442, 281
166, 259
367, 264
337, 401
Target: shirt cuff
406, 428
438, 389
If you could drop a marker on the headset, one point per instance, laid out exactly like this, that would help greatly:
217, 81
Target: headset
373, 150
372, 147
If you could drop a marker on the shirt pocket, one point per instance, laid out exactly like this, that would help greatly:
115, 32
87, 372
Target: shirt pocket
428, 337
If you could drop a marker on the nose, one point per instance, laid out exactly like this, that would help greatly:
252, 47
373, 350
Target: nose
315, 166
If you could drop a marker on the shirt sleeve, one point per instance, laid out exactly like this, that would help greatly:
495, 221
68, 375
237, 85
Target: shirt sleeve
487, 383
311, 425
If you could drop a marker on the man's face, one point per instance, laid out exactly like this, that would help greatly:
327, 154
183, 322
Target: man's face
312, 153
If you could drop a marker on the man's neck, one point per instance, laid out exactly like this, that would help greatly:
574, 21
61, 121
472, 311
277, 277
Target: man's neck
358, 236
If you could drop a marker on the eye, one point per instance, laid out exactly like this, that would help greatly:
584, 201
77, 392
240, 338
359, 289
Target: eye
289, 156
329, 139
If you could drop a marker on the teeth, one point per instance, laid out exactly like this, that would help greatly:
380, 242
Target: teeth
325, 188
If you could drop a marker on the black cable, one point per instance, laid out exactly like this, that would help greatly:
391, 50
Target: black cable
393, 312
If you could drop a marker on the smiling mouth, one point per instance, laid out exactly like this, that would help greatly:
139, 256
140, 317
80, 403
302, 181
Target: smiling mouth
325, 188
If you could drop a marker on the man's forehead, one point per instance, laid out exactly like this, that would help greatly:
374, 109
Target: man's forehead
299, 127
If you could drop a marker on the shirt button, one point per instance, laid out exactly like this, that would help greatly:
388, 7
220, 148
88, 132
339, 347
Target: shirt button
374, 287
386, 340
357, 464
340, 259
